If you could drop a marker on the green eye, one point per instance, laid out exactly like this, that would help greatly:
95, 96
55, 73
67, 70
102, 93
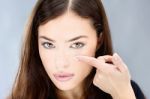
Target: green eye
48, 45
78, 45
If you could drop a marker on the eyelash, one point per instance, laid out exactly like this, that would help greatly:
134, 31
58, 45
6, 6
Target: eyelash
47, 45
81, 45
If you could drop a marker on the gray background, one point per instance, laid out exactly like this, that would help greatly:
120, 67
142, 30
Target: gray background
130, 27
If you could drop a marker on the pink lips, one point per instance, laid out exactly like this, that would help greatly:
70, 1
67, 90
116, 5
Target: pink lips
62, 77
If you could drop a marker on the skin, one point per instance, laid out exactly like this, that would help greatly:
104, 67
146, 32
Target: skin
112, 78
77, 56
60, 56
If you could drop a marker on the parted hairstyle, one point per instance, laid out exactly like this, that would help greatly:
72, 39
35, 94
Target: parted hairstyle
32, 81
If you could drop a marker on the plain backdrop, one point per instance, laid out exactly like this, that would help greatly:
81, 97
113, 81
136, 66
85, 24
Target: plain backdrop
130, 26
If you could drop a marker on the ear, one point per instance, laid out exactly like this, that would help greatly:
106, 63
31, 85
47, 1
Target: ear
99, 41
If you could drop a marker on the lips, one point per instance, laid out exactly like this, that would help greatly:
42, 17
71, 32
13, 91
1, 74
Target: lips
62, 77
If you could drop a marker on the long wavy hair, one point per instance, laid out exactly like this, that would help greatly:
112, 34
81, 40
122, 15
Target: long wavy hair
32, 81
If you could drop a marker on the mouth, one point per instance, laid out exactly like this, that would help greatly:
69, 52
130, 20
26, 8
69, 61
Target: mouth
63, 77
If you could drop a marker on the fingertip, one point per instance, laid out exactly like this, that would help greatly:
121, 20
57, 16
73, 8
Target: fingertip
82, 58
89, 60
78, 57
117, 57
118, 62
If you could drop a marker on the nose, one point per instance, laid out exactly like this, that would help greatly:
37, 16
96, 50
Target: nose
61, 60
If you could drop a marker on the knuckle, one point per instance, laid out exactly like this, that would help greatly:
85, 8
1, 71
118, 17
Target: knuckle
100, 58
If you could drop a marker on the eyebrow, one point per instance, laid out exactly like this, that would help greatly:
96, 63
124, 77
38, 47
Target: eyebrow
72, 39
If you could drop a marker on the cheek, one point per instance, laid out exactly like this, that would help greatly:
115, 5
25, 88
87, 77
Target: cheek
81, 69
47, 60
84, 68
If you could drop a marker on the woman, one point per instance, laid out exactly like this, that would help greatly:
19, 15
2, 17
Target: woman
67, 54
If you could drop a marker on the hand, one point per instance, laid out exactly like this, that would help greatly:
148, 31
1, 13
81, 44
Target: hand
112, 75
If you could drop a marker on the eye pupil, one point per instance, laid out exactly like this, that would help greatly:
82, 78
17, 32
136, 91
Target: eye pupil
48, 45
78, 45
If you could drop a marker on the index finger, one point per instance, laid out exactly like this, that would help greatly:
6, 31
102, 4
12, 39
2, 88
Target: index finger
91, 61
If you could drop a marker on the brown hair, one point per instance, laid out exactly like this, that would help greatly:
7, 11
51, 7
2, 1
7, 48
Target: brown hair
32, 81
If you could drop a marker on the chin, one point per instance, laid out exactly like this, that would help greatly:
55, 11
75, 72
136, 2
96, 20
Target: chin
65, 86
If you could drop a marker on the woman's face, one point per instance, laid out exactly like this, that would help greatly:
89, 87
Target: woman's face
60, 40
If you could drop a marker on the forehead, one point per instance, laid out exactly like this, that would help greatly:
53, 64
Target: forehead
67, 24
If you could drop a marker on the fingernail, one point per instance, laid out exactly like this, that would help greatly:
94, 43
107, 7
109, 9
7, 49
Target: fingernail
115, 56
